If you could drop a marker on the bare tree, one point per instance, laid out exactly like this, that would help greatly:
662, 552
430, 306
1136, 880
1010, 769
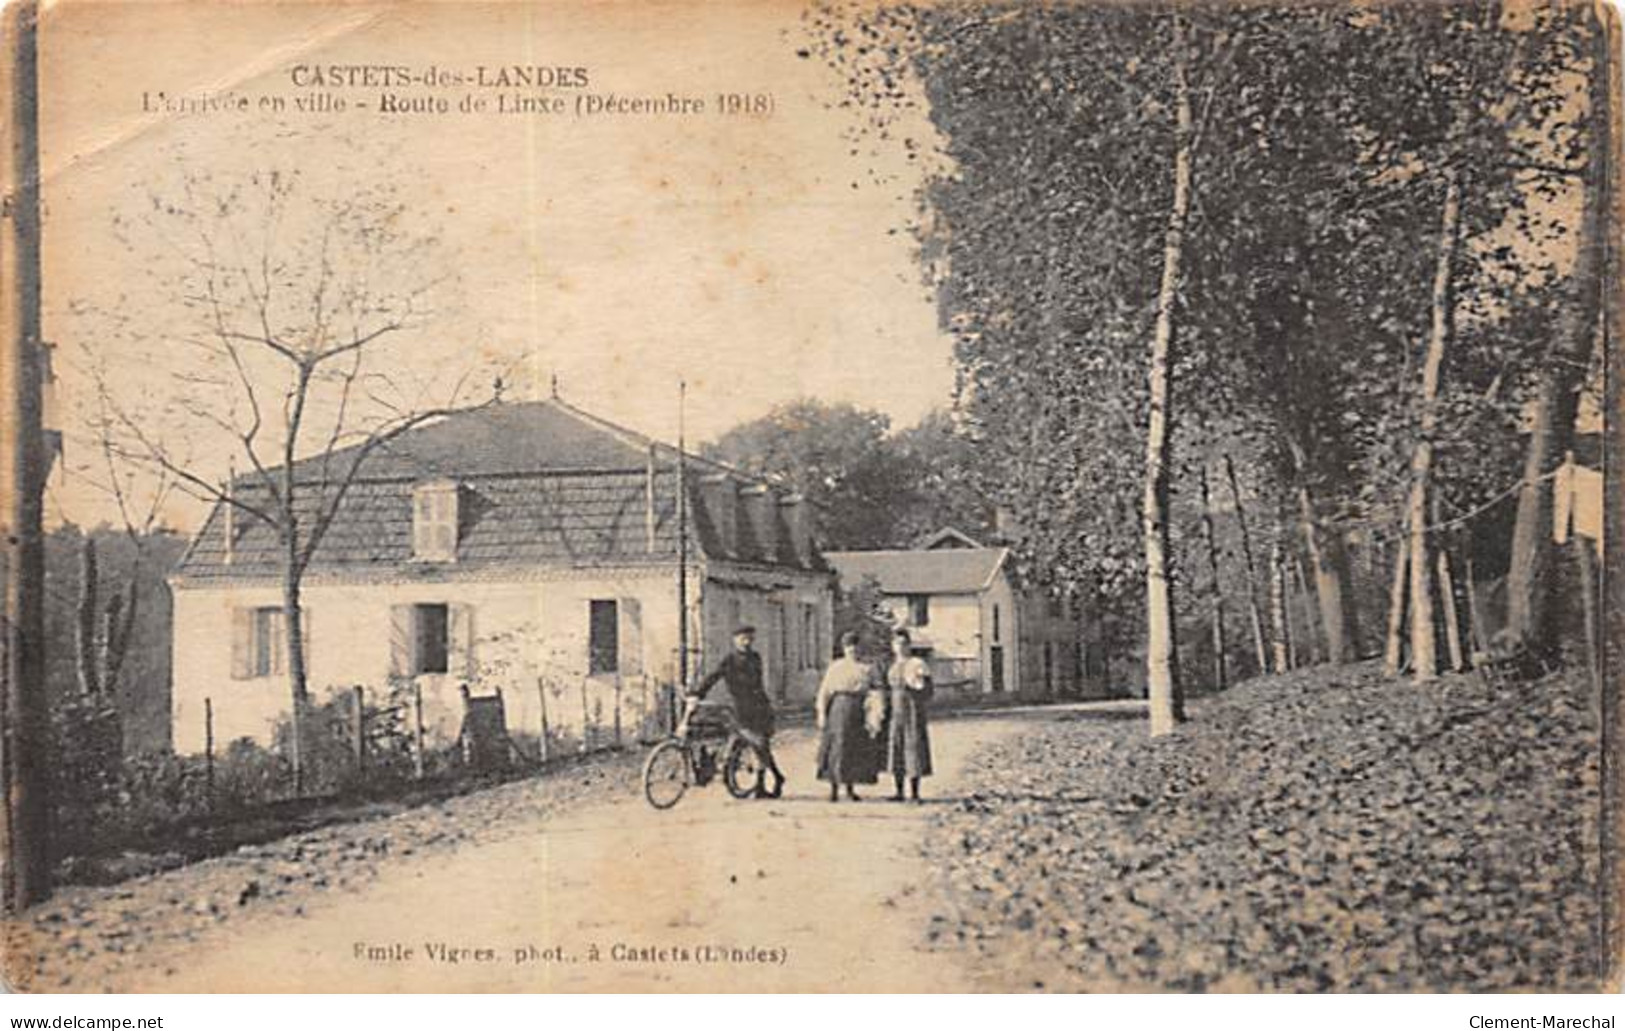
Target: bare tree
285, 319
105, 617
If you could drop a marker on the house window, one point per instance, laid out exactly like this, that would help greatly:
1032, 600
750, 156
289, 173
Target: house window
996, 637
434, 522
259, 644
919, 610
431, 639
603, 637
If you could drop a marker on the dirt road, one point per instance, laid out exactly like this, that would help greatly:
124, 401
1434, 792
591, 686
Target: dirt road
714, 895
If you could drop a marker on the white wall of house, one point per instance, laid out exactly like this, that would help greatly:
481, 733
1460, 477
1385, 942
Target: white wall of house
966, 640
964, 636
520, 631
953, 626
523, 637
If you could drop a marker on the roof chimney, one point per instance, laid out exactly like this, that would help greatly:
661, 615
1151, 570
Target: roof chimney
763, 506
798, 521
1005, 527
229, 513
720, 494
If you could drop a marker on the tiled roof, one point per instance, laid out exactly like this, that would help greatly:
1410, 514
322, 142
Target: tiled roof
540, 485
501, 438
943, 571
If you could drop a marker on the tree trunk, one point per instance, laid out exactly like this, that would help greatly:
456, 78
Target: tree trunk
118, 624
1393, 655
1475, 614
1162, 685
298, 679
1424, 658
1309, 640
1452, 622
1586, 562
1279, 642
1216, 596
1447, 594
1329, 560
90, 682
1253, 605
1551, 431
1289, 609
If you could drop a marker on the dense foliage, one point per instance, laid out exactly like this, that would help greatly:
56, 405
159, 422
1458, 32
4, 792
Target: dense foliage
1357, 226
870, 486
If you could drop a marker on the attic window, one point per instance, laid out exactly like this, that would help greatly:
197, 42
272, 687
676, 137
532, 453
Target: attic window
434, 522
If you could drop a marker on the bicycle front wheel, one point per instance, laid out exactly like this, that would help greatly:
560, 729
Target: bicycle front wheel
666, 774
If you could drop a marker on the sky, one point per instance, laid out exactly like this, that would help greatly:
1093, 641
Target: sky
756, 257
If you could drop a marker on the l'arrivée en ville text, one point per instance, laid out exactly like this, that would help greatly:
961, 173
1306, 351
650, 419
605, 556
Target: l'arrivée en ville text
393, 89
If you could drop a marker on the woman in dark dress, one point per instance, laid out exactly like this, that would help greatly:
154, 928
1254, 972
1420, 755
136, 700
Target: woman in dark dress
846, 752
908, 740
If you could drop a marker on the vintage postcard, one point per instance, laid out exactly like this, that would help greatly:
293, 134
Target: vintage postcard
986, 496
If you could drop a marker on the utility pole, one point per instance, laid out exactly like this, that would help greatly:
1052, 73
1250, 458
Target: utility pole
25, 871
682, 547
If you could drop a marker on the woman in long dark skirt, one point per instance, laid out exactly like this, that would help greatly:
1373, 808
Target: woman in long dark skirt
908, 738
846, 752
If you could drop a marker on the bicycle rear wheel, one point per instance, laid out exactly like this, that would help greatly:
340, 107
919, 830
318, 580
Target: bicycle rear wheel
666, 774
744, 770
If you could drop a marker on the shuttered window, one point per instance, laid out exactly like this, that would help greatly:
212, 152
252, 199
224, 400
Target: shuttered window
434, 522
259, 642
433, 637
629, 638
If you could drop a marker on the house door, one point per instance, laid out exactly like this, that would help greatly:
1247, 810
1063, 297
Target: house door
996, 657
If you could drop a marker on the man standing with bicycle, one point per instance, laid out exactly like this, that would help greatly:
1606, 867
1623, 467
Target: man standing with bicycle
742, 670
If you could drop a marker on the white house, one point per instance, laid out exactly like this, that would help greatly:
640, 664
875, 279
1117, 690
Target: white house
527, 547
976, 628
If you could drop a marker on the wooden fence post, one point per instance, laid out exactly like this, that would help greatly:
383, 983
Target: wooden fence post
643, 708
417, 733
358, 728
586, 719
208, 751
543, 749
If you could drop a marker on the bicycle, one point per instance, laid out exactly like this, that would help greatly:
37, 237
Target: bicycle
704, 734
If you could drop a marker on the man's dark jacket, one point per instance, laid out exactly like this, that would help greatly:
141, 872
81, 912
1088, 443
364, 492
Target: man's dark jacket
743, 673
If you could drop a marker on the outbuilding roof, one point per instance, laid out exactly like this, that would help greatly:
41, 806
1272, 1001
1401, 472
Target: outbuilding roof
941, 571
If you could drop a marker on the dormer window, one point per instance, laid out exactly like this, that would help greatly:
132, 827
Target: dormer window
434, 522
